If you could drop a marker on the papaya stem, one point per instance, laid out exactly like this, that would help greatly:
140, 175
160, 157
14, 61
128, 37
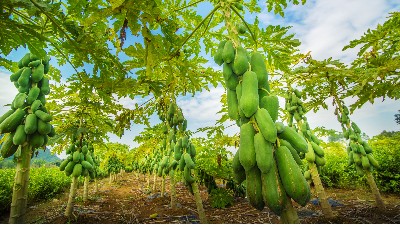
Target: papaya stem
184, 7
246, 24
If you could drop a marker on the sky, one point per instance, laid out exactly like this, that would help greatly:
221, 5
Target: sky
324, 27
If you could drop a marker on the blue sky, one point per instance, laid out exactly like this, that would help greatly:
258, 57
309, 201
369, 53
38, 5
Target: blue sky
323, 27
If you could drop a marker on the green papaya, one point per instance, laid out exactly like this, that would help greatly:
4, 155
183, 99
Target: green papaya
20, 135
188, 175
357, 159
228, 53
293, 180
273, 193
218, 55
365, 162
36, 140
43, 127
266, 125
33, 95
307, 175
177, 152
31, 124
19, 100
23, 80
63, 164
188, 161
69, 168
293, 151
238, 170
233, 106
38, 73
6, 115
294, 138
319, 161
258, 66
76, 156
264, 153
77, 170
11, 123
271, 104
317, 149
34, 63
15, 76
85, 149
46, 64
279, 127
26, 59
43, 116
8, 148
240, 63
192, 151
241, 28
373, 161
182, 163
249, 94
254, 188
310, 155
87, 165
247, 153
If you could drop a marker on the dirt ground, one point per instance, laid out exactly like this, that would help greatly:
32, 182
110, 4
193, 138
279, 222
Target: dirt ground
128, 201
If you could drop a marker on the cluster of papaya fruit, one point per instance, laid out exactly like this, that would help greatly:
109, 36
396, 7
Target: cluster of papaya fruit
81, 160
207, 180
267, 165
358, 150
295, 108
28, 121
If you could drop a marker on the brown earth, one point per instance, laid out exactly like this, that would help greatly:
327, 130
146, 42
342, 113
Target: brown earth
129, 201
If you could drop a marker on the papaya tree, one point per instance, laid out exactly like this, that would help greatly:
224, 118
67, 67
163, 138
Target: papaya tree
26, 125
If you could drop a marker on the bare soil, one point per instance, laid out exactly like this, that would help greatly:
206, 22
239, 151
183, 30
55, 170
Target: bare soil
128, 200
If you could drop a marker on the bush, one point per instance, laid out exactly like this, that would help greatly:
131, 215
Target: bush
44, 183
221, 198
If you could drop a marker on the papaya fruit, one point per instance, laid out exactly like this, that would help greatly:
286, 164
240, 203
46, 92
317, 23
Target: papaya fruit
188, 175
218, 55
38, 73
254, 188
177, 152
317, 149
240, 63
359, 170
233, 106
293, 180
271, 104
89, 159
19, 100
241, 28
43, 127
33, 95
63, 164
192, 151
373, 161
23, 89
46, 63
184, 124
295, 154
26, 59
249, 95
319, 161
36, 140
365, 162
182, 163
69, 168
20, 135
77, 170
23, 80
294, 138
264, 153
310, 155
14, 77
228, 53
357, 159
87, 165
238, 5
76, 156
315, 139
84, 149
351, 159
266, 125
43, 116
307, 175
238, 170
11, 123
34, 63
279, 127
273, 193
5, 115
247, 153
188, 161
258, 66
8, 148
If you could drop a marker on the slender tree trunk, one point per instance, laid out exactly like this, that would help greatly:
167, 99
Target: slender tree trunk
199, 203
71, 198
172, 187
289, 214
375, 190
111, 177
163, 186
154, 182
85, 189
21, 184
148, 180
326, 208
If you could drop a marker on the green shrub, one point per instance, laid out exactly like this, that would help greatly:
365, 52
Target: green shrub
6, 186
128, 169
221, 198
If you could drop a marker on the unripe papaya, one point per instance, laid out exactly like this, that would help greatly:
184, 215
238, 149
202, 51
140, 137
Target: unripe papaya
271, 104
254, 188
34, 63
6, 115
87, 165
64, 164
26, 59
14, 77
38, 73
247, 153
228, 53
293, 180
258, 66
20, 135
218, 55
241, 28
310, 155
43, 116
76, 156
319, 161
8, 148
274, 194
279, 127
188, 175
295, 154
264, 153
373, 161
249, 99
43, 127
31, 124
238, 170
266, 125
77, 170
240, 63
188, 161
11, 123
297, 141
317, 149
19, 100
36, 140
233, 106
69, 168
23, 80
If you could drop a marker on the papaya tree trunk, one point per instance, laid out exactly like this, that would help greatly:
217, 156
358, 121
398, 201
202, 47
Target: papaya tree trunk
111, 178
289, 214
85, 189
21, 183
173, 189
148, 179
326, 207
154, 182
163, 186
199, 203
375, 190
71, 198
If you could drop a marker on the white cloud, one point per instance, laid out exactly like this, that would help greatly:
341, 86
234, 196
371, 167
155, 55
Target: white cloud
7, 92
